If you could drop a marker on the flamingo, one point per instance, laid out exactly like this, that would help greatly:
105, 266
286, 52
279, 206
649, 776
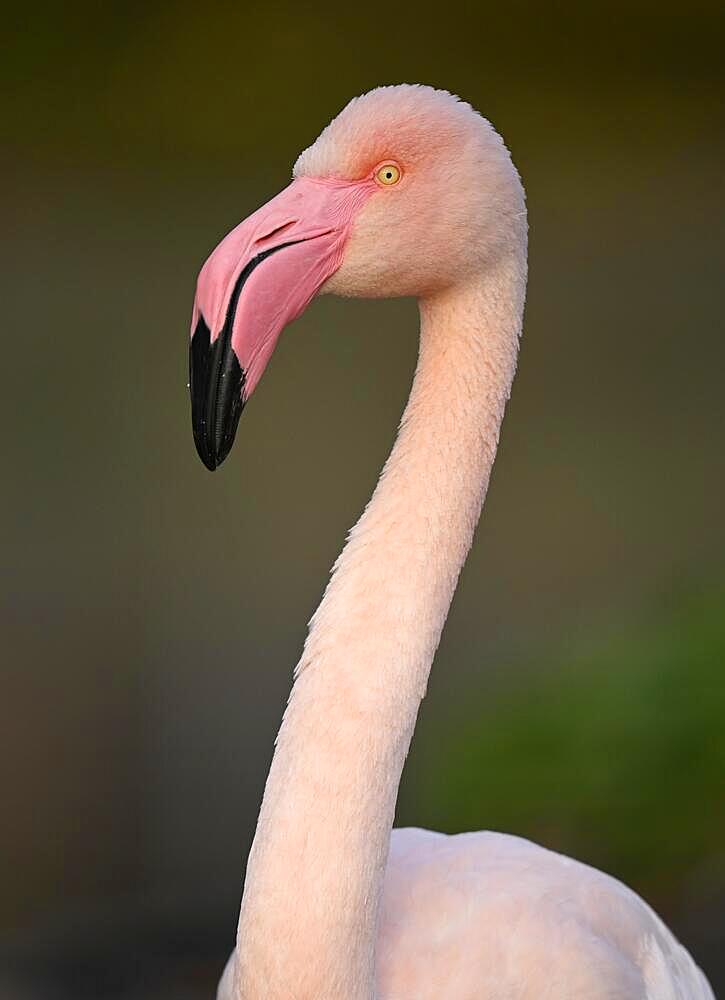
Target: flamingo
407, 192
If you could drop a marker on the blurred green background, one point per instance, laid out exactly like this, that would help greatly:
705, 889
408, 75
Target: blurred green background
152, 613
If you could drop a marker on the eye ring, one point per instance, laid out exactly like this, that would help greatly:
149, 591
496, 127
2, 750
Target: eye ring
388, 174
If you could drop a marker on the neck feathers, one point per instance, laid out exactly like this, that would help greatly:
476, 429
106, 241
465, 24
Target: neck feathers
309, 913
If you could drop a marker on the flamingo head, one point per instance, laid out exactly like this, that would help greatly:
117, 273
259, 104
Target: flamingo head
408, 191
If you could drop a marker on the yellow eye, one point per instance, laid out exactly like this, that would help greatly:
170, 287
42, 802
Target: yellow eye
388, 174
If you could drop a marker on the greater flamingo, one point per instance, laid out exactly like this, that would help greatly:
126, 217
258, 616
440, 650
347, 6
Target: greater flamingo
407, 192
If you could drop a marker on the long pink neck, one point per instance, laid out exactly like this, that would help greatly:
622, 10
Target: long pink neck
308, 918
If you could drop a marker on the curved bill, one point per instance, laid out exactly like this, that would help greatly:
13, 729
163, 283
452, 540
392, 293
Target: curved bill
260, 278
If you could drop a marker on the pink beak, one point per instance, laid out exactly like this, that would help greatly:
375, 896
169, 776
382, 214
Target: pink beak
260, 278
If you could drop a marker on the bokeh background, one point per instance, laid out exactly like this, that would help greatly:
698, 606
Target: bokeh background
152, 613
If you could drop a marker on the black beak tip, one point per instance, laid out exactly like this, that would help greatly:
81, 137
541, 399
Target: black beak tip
208, 457
216, 384
211, 457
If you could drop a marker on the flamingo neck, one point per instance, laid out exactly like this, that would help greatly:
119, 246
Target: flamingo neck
308, 918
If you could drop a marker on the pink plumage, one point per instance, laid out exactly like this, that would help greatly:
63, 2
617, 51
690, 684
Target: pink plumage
407, 192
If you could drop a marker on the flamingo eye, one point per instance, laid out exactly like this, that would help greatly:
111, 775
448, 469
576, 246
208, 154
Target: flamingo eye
388, 174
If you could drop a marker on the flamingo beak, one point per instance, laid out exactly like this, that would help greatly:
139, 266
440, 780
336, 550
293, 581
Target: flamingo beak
259, 278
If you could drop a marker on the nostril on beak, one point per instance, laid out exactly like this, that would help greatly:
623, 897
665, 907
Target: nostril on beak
276, 232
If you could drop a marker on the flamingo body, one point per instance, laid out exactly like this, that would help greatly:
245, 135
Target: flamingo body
407, 192
488, 916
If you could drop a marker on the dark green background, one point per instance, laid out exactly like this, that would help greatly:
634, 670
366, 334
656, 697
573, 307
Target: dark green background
152, 613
